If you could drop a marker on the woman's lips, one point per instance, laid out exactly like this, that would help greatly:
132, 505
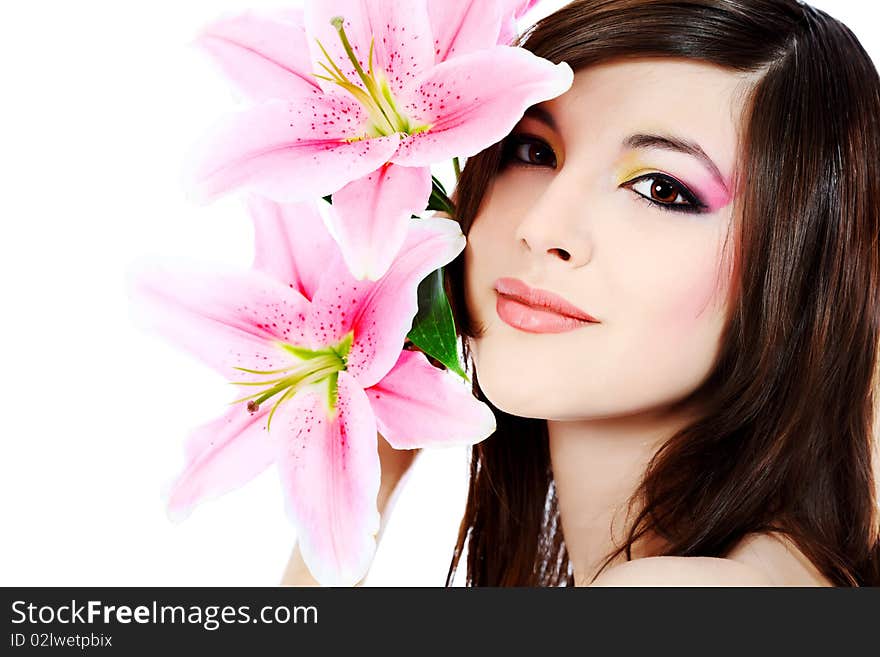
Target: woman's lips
538, 298
536, 310
534, 320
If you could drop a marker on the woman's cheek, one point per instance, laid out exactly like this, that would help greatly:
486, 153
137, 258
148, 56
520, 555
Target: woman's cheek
672, 290
693, 306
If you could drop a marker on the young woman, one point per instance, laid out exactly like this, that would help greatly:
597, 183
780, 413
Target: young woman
700, 215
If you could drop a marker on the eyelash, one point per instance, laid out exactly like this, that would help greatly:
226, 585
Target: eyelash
694, 205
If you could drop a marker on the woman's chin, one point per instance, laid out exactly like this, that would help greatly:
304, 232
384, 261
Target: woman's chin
523, 397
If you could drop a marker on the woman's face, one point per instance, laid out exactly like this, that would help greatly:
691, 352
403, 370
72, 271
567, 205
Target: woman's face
571, 212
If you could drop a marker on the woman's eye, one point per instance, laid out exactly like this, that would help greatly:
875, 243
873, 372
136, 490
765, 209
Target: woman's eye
656, 189
526, 150
666, 193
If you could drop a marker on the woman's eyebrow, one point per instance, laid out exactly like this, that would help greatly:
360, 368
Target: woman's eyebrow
642, 140
671, 143
540, 114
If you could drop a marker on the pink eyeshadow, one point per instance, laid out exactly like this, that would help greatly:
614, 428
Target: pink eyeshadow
713, 193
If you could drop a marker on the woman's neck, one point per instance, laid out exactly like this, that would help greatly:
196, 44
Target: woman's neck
597, 465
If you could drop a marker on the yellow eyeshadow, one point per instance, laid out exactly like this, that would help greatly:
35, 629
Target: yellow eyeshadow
628, 167
630, 174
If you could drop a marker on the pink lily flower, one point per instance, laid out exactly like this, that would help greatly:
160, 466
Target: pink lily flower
320, 358
357, 98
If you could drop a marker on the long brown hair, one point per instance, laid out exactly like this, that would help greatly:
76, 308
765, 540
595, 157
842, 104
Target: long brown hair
785, 438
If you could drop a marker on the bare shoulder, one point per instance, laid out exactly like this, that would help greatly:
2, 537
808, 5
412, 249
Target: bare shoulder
682, 571
780, 558
768, 559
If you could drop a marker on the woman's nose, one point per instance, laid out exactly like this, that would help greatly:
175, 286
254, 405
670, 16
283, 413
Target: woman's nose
555, 226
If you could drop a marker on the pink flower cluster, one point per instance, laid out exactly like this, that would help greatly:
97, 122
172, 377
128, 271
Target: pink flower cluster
353, 99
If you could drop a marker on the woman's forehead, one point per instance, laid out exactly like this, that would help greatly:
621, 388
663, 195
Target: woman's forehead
678, 82
692, 101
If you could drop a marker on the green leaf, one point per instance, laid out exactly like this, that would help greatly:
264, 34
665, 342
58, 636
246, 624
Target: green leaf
435, 182
439, 200
433, 329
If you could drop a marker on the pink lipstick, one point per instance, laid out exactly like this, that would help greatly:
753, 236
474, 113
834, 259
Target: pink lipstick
535, 310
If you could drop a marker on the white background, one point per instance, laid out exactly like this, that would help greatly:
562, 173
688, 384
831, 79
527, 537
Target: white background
99, 102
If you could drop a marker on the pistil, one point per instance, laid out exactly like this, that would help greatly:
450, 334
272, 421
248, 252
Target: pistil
312, 366
377, 100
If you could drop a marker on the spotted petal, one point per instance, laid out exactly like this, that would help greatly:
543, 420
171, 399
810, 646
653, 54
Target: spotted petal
381, 313
400, 29
226, 318
329, 470
472, 101
289, 151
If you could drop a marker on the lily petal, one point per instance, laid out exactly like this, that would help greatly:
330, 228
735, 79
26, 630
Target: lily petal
329, 471
265, 54
288, 151
291, 242
400, 29
221, 456
473, 101
227, 319
462, 26
371, 216
381, 313
419, 405
514, 10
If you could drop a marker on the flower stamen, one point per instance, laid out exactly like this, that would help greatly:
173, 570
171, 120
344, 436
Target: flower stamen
313, 366
378, 101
